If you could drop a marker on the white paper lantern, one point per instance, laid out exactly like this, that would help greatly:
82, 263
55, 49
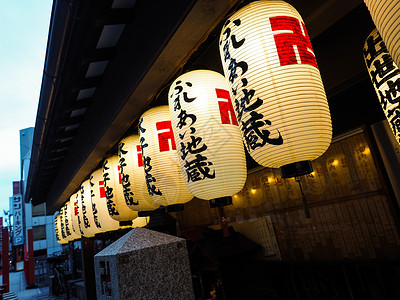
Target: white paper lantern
85, 210
385, 77
164, 179
132, 173
67, 216
275, 84
102, 219
57, 224
73, 203
386, 17
207, 136
116, 205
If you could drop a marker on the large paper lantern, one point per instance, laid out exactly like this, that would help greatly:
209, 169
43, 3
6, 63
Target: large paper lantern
276, 87
386, 17
57, 224
102, 219
116, 205
132, 173
164, 178
385, 77
67, 216
207, 136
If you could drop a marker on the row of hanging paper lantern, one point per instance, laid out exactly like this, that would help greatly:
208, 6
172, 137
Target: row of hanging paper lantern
385, 77
193, 146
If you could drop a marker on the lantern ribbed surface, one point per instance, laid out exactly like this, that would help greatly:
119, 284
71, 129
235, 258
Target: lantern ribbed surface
386, 17
165, 182
57, 224
133, 178
384, 74
117, 207
102, 219
275, 84
71, 234
208, 139
73, 203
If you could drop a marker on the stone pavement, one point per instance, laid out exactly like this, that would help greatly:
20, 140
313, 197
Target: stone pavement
18, 288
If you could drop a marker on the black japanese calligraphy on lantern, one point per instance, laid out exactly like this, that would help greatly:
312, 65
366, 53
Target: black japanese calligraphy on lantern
385, 77
112, 210
254, 125
94, 208
84, 211
198, 168
126, 184
150, 179
66, 221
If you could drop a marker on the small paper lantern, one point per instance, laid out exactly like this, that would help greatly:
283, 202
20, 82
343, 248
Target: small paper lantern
386, 17
67, 216
132, 173
140, 222
57, 224
85, 210
73, 204
385, 77
207, 136
164, 179
276, 87
117, 207
102, 219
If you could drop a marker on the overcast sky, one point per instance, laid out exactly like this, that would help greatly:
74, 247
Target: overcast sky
24, 28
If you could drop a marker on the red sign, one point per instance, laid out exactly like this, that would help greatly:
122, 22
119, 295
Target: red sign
166, 139
139, 155
225, 107
293, 43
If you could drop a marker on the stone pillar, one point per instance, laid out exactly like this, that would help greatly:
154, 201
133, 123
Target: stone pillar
144, 264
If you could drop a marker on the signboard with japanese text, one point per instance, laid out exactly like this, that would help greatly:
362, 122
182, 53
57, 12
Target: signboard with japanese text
18, 219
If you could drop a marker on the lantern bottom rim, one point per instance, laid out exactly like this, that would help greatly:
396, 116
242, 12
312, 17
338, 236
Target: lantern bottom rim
296, 169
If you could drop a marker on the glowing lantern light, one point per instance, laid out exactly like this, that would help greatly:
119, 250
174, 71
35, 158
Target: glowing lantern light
102, 219
164, 179
57, 224
386, 17
209, 142
140, 222
384, 75
67, 216
73, 203
276, 87
133, 178
118, 209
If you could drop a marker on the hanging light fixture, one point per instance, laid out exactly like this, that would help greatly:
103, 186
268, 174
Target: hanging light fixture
67, 216
102, 219
385, 76
116, 205
276, 87
85, 210
164, 179
207, 136
386, 17
57, 224
132, 173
